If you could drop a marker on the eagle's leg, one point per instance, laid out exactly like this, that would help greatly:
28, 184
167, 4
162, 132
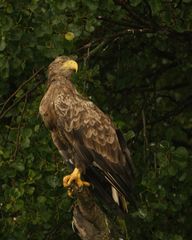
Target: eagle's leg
75, 176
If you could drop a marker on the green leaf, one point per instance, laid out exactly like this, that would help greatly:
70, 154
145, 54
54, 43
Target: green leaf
163, 160
165, 145
44, 29
18, 166
129, 135
30, 190
156, 6
75, 29
53, 181
25, 142
41, 199
9, 8
172, 171
8, 206
89, 27
19, 93
27, 132
92, 5
181, 153
61, 5
6, 23
19, 205
134, 3
31, 173
2, 44
183, 177
177, 237
36, 128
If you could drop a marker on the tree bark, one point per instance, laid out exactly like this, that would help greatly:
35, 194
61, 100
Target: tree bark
91, 223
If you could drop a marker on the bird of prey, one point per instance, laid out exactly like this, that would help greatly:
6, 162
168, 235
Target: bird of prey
85, 136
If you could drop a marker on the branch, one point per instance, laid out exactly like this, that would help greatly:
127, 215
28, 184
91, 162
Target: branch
151, 22
18, 101
144, 134
151, 75
132, 13
109, 20
18, 131
176, 111
20, 87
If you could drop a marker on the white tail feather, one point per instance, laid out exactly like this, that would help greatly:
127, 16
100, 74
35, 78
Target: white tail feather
115, 195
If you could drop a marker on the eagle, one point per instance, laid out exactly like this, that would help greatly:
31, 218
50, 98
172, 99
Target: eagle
86, 137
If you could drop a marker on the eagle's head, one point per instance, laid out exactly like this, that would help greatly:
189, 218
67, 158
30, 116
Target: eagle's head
62, 66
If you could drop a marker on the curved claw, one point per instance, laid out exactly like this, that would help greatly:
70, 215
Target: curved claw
75, 176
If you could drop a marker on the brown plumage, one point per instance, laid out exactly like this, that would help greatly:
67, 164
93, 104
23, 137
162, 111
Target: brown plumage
84, 135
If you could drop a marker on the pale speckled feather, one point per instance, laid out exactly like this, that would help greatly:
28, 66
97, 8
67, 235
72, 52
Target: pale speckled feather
98, 132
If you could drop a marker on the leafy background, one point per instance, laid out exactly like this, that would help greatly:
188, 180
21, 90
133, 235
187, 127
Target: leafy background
135, 64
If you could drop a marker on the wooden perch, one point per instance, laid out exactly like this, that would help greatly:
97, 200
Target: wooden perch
91, 223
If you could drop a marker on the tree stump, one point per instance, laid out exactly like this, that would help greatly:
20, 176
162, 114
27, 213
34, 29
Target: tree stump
91, 223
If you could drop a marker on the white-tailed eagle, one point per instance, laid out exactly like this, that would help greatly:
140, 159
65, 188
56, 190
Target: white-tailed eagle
85, 136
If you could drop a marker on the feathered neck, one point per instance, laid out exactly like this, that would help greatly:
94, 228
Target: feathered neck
61, 77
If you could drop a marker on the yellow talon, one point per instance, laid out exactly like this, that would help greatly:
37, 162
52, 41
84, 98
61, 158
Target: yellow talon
70, 193
75, 176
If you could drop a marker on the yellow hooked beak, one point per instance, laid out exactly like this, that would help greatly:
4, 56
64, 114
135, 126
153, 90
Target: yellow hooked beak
70, 65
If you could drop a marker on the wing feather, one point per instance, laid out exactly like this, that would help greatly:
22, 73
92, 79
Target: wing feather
97, 130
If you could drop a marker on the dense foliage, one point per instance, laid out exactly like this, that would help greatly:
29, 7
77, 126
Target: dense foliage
136, 64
